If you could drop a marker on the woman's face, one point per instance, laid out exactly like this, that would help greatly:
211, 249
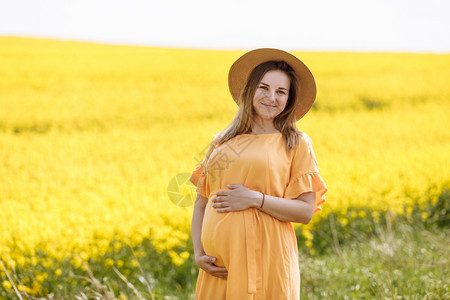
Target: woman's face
271, 94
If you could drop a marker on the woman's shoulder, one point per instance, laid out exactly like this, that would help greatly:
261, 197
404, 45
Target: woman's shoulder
217, 137
303, 138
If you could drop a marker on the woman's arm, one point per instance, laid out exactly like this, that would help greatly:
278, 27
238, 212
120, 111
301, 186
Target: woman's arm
299, 210
196, 225
203, 261
239, 197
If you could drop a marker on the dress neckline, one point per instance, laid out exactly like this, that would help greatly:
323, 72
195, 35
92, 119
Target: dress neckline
260, 134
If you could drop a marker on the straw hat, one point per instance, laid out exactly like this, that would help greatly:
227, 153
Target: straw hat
244, 65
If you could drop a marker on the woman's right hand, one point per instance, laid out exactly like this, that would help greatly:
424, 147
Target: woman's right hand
206, 263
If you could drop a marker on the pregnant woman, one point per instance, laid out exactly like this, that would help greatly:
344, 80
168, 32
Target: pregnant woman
259, 175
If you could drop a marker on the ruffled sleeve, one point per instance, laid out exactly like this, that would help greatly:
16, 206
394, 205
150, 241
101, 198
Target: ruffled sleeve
198, 176
305, 175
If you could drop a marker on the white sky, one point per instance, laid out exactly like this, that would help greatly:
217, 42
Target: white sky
355, 25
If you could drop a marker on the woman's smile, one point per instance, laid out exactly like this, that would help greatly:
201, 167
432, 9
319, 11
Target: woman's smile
268, 105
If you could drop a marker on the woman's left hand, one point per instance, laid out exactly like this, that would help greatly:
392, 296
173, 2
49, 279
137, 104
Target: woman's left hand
238, 197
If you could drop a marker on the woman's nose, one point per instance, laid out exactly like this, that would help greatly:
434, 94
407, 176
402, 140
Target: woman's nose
270, 95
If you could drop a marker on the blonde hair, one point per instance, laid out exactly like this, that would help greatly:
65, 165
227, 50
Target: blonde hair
284, 122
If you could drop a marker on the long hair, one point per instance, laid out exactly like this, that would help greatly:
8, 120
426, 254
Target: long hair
284, 122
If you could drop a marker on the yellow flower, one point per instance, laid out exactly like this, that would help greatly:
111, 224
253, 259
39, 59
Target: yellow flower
6, 284
34, 262
176, 259
119, 263
84, 256
58, 272
134, 263
20, 260
376, 216
117, 246
184, 255
424, 216
409, 210
47, 263
40, 278
307, 234
343, 221
76, 263
37, 288
109, 262
24, 288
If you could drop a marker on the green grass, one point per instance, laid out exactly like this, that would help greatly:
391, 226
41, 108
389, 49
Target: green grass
398, 260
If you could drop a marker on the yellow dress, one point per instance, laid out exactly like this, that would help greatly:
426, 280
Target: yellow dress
259, 251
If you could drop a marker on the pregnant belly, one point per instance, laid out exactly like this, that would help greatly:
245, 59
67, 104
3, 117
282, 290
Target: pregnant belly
222, 233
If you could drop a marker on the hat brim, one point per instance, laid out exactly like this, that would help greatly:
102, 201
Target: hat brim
244, 65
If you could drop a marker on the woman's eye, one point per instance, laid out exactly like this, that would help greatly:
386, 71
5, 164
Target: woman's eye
263, 87
282, 92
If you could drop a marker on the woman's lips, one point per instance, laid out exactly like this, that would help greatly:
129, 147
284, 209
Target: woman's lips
267, 105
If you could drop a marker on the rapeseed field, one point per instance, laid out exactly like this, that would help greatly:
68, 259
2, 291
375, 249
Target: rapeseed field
91, 135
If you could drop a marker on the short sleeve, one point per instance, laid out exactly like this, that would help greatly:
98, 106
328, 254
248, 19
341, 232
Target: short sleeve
198, 176
305, 175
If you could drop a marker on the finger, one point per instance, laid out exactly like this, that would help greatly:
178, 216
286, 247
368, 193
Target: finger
220, 276
208, 263
222, 192
220, 204
224, 209
211, 270
217, 269
208, 259
218, 199
223, 276
233, 186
